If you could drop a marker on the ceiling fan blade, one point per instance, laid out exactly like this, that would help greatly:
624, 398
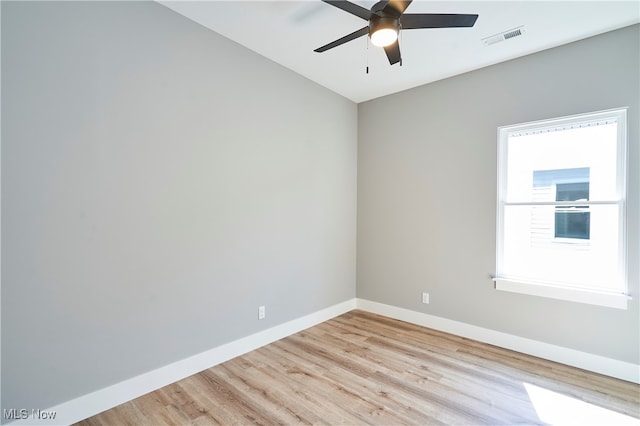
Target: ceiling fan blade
436, 20
352, 8
393, 52
396, 7
354, 35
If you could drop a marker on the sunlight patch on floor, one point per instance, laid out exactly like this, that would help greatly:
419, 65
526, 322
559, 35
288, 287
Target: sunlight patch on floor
557, 409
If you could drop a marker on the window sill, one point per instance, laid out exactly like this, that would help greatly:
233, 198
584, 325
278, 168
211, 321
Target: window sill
611, 300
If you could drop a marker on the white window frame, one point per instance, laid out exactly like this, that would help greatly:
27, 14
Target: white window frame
553, 289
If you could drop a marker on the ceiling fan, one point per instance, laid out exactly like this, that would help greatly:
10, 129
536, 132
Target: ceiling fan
386, 19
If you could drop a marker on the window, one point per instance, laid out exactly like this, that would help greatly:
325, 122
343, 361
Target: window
561, 208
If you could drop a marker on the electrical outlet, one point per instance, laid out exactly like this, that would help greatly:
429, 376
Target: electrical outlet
425, 297
261, 312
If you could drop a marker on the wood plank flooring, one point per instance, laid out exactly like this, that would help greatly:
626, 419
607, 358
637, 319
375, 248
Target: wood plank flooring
361, 368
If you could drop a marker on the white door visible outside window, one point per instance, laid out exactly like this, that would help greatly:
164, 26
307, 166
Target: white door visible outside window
561, 208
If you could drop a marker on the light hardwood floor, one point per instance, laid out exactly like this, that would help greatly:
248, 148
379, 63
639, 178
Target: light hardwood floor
361, 368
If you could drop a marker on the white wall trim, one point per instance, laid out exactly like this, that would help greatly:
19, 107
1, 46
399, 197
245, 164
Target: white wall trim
596, 363
610, 300
96, 402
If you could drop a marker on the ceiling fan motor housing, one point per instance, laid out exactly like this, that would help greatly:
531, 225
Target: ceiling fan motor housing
377, 23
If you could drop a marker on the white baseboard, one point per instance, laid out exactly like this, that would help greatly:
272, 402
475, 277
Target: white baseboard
96, 402
596, 363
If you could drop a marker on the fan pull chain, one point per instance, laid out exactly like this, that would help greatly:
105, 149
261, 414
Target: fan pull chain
400, 43
366, 40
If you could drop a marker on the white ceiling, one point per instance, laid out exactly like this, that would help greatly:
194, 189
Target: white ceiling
287, 32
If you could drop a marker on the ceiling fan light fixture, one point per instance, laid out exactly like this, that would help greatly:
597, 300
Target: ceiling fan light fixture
384, 37
383, 31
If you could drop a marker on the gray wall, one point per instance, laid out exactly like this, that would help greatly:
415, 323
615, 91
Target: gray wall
427, 191
159, 182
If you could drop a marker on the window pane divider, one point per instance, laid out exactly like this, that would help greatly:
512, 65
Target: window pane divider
561, 203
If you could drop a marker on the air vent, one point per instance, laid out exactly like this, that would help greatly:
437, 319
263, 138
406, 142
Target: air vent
512, 34
506, 35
